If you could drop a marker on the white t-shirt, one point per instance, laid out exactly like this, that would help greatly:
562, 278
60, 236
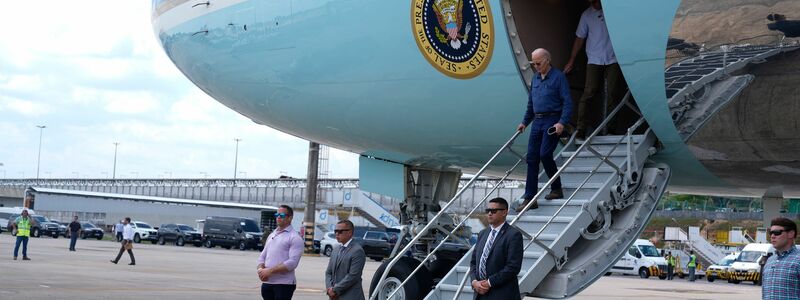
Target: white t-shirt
592, 28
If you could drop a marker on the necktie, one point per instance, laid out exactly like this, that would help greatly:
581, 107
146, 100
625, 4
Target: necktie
485, 255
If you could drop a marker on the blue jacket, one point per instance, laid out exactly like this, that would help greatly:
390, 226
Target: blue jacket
550, 94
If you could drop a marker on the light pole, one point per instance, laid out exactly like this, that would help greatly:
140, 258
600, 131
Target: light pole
114, 173
39, 158
236, 159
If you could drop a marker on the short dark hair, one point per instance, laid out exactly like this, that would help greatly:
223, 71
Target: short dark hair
348, 223
128, 219
501, 201
787, 224
289, 209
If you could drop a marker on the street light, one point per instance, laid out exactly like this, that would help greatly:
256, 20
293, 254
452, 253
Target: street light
236, 159
39, 158
114, 173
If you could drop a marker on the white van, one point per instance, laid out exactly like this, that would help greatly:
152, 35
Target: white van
746, 266
642, 259
7, 212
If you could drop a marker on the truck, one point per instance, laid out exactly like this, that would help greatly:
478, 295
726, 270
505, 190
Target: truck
746, 267
642, 259
720, 270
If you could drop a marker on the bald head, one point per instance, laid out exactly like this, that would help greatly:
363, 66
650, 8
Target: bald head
540, 53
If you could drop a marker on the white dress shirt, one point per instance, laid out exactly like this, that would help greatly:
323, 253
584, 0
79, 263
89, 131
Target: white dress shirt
592, 27
127, 232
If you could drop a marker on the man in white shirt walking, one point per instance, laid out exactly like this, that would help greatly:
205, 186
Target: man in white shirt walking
127, 242
602, 64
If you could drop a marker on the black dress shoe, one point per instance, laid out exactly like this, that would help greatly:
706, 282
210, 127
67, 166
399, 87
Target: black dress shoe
25, 258
132, 264
113, 261
555, 194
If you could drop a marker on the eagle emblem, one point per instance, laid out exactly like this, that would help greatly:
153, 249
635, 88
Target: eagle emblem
450, 16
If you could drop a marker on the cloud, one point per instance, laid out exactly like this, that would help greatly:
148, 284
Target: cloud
24, 107
21, 83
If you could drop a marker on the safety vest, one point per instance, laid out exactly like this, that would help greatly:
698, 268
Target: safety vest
692, 261
671, 261
24, 227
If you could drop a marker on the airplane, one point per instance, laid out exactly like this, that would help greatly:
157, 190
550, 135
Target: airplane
427, 90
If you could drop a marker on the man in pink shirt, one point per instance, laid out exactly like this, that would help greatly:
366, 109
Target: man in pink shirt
279, 258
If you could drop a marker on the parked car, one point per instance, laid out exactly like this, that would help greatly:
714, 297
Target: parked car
180, 234
89, 230
374, 241
143, 231
43, 226
327, 243
227, 232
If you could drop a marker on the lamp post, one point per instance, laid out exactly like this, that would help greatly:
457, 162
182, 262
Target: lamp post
236, 159
39, 158
114, 173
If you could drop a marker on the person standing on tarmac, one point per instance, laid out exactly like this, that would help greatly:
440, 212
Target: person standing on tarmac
691, 265
22, 227
670, 265
127, 242
74, 231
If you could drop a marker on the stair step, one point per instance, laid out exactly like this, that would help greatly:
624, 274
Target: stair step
593, 161
586, 153
543, 219
573, 185
586, 169
611, 139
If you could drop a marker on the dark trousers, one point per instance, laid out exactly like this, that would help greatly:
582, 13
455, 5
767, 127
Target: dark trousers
277, 291
669, 272
119, 236
122, 249
24, 241
73, 238
691, 273
595, 75
540, 149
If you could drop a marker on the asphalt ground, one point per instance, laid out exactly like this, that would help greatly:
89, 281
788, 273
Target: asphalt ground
171, 272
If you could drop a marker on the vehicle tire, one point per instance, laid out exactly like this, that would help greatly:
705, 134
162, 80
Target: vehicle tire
328, 250
161, 240
414, 289
681, 275
662, 277
208, 244
607, 274
643, 273
710, 278
179, 242
99, 237
242, 245
734, 281
36, 233
55, 235
136, 238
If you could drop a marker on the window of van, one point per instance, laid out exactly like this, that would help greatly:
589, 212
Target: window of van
649, 250
749, 256
142, 225
374, 235
249, 226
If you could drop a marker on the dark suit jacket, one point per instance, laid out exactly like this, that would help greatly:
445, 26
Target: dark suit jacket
344, 272
502, 265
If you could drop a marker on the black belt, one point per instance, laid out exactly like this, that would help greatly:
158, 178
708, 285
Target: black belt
547, 114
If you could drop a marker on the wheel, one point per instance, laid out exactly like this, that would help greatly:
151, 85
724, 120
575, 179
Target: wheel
734, 281
99, 238
36, 232
414, 289
242, 245
710, 278
681, 275
161, 240
179, 241
607, 274
328, 250
662, 277
208, 244
643, 273
137, 239
55, 235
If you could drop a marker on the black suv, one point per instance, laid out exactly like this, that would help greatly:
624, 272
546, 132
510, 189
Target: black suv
228, 232
375, 242
180, 234
43, 226
89, 230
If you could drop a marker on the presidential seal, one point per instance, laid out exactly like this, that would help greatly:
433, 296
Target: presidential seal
455, 36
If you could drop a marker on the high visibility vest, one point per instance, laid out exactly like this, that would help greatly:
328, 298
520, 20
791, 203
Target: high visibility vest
692, 261
24, 227
671, 261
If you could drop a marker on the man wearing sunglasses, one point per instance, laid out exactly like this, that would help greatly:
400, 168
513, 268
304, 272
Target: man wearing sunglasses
343, 275
497, 258
781, 276
549, 109
280, 257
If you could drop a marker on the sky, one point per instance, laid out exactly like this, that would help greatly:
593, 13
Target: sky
94, 74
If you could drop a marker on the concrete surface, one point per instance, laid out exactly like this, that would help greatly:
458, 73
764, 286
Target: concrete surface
198, 273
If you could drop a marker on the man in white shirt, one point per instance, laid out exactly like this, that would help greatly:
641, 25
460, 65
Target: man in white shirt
127, 242
602, 64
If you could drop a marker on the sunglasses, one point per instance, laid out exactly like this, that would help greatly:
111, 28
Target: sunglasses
494, 210
280, 215
338, 231
777, 232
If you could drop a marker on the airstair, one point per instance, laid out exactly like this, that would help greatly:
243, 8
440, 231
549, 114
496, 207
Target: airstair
610, 192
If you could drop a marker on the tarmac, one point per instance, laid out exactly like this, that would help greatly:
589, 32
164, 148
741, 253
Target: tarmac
190, 272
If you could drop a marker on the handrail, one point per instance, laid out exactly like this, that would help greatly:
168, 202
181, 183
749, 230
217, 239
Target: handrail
430, 223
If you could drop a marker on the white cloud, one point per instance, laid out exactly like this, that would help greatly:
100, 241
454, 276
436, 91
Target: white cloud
24, 107
21, 83
113, 101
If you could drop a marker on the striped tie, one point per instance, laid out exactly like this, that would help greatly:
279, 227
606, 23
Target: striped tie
485, 255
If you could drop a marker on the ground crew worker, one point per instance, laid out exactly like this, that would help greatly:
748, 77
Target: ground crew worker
691, 265
22, 225
670, 265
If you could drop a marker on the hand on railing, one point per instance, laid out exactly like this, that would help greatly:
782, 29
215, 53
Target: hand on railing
521, 127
